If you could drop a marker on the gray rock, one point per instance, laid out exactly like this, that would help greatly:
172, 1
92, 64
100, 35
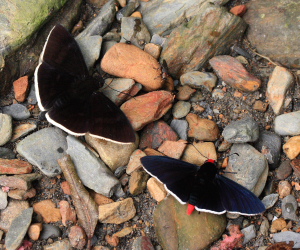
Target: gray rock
276, 41
264, 227
128, 9
43, 148
197, 96
18, 229
31, 99
157, 39
270, 200
287, 237
3, 199
16, 111
251, 167
142, 242
287, 124
59, 245
90, 47
50, 231
218, 94
284, 170
196, 79
5, 128
181, 109
102, 22
180, 127
289, 208
244, 130
281, 80
135, 31
91, 170
269, 144
249, 232
6, 153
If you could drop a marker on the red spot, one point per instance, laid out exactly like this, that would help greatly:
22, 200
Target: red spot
190, 209
211, 160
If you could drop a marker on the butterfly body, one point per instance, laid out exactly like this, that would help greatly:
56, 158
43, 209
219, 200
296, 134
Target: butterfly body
70, 95
203, 188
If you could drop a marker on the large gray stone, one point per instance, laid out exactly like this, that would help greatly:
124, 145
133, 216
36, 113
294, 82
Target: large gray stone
43, 148
288, 124
272, 29
287, 237
91, 170
16, 111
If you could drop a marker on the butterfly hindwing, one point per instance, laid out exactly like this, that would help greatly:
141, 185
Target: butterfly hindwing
178, 176
238, 199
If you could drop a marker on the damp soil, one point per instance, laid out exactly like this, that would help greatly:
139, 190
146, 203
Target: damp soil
217, 109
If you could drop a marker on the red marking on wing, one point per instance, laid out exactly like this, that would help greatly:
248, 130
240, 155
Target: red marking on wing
190, 209
211, 160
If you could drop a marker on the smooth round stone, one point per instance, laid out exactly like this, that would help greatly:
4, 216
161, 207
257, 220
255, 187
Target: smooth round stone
181, 109
241, 131
288, 124
196, 79
289, 208
180, 127
5, 128
16, 111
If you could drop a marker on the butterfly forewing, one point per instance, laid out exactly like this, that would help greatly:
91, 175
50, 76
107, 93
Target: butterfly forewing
178, 176
235, 198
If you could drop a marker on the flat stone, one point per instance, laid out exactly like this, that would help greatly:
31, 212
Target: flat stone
43, 148
13, 210
284, 170
14, 166
125, 231
284, 189
92, 170
18, 229
100, 199
281, 80
206, 149
176, 230
146, 108
90, 47
154, 134
47, 210
241, 131
196, 79
138, 182
289, 207
292, 147
251, 167
135, 161
21, 87
231, 71
22, 130
5, 128
129, 8
287, 237
120, 90
180, 127
173, 149
153, 49
19, 194
135, 31
156, 189
202, 129
59, 245
184, 92
270, 200
287, 124
117, 212
249, 232
19, 181
107, 151
16, 111
127, 61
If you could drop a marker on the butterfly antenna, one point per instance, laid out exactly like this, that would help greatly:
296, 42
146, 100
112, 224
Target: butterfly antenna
197, 150
118, 90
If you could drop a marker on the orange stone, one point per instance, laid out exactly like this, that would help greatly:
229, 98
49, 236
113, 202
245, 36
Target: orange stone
47, 210
14, 166
21, 87
239, 10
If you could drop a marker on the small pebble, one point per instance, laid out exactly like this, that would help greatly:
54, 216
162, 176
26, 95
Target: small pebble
264, 227
47, 210
278, 225
180, 127
196, 79
284, 170
184, 93
218, 94
77, 237
270, 200
249, 232
50, 231
21, 87
289, 208
296, 167
292, 147
239, 10
34, 231
173, 149
135, 161
287, 124
181, 109
153, 49
156, 189
138, 182
284, 189
260, 106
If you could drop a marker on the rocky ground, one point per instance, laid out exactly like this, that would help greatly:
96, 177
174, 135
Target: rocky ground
219, 94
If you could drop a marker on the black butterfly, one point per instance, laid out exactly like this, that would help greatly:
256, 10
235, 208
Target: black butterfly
65, 89
202, 187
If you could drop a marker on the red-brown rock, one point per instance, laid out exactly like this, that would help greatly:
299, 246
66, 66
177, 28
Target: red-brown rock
47, 210
100, 199
202, 129
154, 134
19, 194
14, 166
65, 186
112, 240
127, 61
233, 73
146, 108
173, 149
67, 213
239, 10
77, 237
21, 87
